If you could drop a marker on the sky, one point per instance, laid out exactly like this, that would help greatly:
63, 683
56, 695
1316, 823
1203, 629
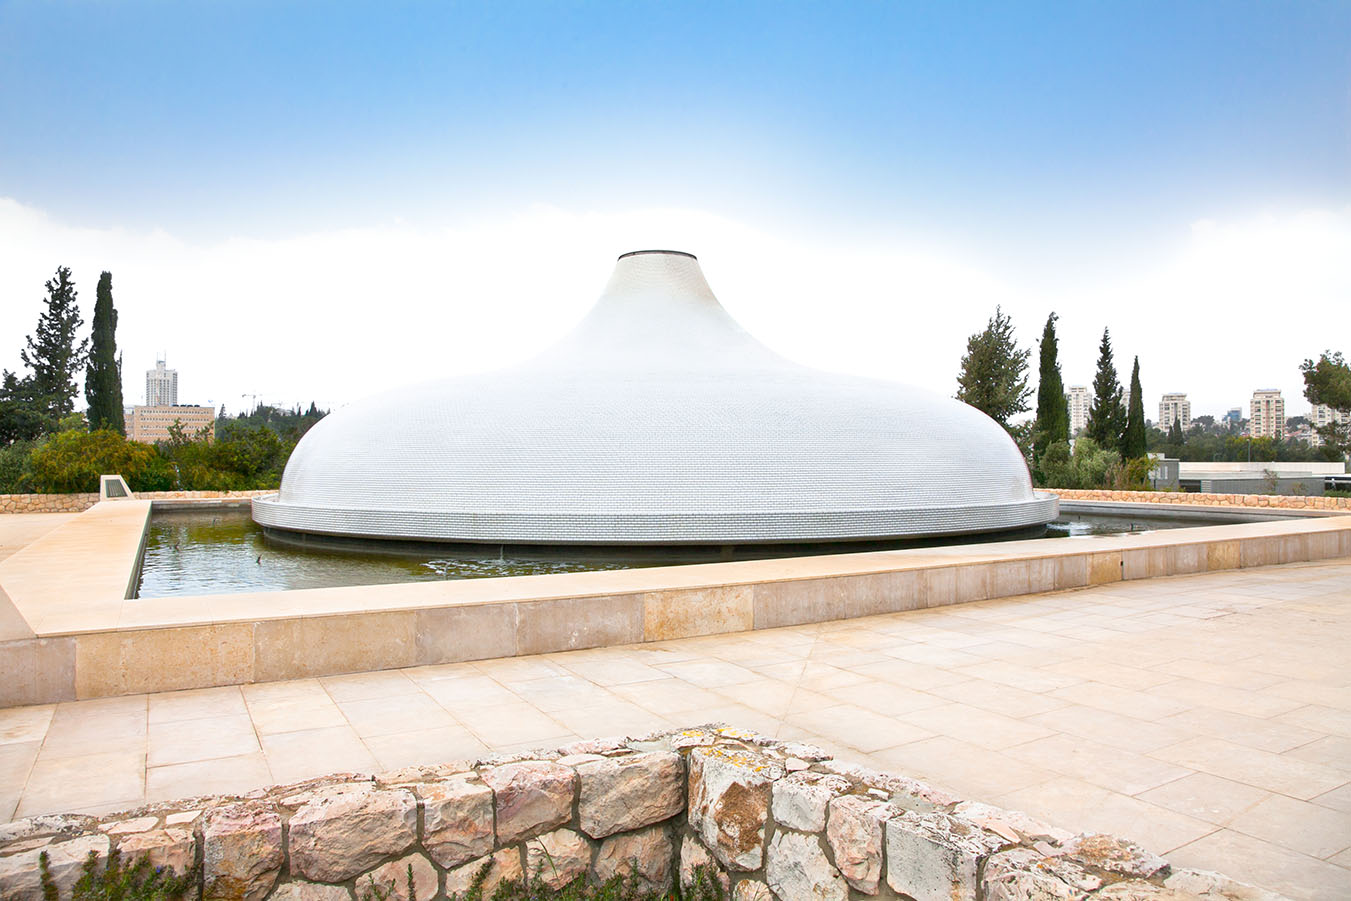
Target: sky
320, 201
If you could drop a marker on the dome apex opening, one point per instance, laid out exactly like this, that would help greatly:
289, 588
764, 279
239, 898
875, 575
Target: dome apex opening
674, 253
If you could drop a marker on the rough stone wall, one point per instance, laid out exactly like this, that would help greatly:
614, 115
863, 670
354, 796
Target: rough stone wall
769, 819
76, 503
1292, 502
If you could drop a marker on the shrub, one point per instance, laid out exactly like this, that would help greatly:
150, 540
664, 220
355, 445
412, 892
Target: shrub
138, 882
73, 461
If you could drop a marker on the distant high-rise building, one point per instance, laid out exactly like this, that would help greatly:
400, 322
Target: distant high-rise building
161, 386
150, 424
1175, 408
1268, 414
1232, 417
1322, 416
1078, 400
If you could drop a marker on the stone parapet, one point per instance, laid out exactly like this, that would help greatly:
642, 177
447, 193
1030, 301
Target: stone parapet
1280, 501
604, 808
77, 503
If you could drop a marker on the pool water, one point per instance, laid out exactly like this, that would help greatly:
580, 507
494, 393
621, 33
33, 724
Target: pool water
224, 551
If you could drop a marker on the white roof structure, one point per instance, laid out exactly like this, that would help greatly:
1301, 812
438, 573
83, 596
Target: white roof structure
657, 420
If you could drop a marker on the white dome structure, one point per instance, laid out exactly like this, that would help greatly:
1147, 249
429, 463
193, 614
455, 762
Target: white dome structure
657, 420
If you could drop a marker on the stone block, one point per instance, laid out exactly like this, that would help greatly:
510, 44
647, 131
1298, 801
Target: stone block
569, 624
1222, 555
309, 891
800, 799
336, 836
558, 857
647, 853
936, 857
938, 586
504, 866
465, 632
686, 612
1021, 874
855, 831
1104, 568
531, 797
323, 645
390, 881
729, 800
241, 851
1115, 855
796, 867
973, 582
750, 890
172, 847
20, 873
694, 857
617, 794
457, 820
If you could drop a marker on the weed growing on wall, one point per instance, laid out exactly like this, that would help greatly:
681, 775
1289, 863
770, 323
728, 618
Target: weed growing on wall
139, 882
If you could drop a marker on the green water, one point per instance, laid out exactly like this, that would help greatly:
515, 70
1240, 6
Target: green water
224, 551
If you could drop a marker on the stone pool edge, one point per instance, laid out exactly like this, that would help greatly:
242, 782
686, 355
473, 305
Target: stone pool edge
88, 642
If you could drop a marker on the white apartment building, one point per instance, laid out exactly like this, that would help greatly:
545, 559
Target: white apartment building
1321, 416
1267, 419
1078, 399
1175, 408
161, 386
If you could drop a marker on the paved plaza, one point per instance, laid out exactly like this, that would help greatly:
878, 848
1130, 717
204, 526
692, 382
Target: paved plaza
1207, 716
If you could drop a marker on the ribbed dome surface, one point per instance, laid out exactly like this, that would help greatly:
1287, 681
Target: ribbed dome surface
658, 420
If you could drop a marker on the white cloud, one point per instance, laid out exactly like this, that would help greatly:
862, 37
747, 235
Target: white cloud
336, 315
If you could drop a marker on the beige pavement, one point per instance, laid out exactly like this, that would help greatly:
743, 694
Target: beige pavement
21, 530
1207, 716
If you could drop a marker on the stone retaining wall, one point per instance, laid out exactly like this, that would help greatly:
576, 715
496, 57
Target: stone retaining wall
768, 819
78, 503
1289, 502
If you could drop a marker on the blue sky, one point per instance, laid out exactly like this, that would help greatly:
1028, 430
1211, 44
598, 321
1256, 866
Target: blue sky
1049, 143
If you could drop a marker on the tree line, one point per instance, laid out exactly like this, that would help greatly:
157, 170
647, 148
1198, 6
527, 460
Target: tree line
1113, 449
46, 445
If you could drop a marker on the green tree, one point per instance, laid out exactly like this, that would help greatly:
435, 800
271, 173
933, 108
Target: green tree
993, 377
103, 377
1327, 380
1053, 411
1106, 412
1175, 437
1089, 466
21, 415
1133, 443
53, 353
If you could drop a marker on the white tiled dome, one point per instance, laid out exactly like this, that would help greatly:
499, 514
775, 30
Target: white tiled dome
658, 420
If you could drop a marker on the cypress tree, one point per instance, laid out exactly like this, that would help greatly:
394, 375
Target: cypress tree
1053, 410
53, 353
103, 377
1133, 441
993, 377
1175, 436
1106, 414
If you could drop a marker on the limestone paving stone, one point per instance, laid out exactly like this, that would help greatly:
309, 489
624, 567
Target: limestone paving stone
503, 866
647, 853
531, 797
729, 798
558, 857
457, 820
855, 835
336, 836
241, 851
617, 794
1213, 885
391, 880
800, 799
935, 857
796, 867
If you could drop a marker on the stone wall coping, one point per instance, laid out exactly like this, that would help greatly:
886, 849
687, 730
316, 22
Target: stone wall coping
84, 639
659, 804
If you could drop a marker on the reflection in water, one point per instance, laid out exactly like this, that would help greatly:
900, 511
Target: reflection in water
224, 551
